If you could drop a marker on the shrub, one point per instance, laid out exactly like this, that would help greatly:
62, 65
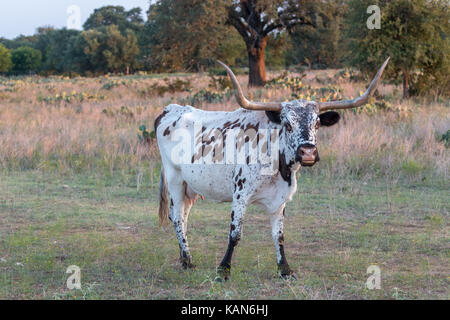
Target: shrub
26, 59
145, 136
412, 167
209, 96
177, 85
220, 83
446, 138
5, 59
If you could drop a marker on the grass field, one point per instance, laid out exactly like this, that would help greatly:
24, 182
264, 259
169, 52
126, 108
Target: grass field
336, 229
78, 186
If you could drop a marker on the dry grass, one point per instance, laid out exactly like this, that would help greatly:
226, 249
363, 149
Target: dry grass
69, 125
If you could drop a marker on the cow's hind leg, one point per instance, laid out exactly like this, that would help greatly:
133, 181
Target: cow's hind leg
189, 201
178, 217
186, 211
278, 238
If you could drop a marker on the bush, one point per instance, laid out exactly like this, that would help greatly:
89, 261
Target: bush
220, 83
177, 85
208, 96
412, 167
26, 59
5, 59
305, 92
445, 138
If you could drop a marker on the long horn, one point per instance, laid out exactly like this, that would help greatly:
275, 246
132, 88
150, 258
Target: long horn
242, 100
357, 102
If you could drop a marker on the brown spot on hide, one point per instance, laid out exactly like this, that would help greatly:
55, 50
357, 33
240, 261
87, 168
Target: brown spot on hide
159, 118
285, 168
166, 132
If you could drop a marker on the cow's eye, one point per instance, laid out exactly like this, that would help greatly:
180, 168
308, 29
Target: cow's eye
317, 125
288, 127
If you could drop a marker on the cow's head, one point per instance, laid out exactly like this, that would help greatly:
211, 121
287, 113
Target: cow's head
300, 119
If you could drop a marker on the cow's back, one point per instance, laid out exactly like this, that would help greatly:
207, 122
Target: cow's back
193, 130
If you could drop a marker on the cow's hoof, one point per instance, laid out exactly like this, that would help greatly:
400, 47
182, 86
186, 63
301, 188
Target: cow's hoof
286, 273
290, 276
187, 264
223, 274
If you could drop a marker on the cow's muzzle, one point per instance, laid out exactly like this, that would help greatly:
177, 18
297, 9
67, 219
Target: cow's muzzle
307, 155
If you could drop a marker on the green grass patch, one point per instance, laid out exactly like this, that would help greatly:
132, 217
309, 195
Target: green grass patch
335, 229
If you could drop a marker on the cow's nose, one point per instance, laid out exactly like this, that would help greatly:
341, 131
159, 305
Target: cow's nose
308, 155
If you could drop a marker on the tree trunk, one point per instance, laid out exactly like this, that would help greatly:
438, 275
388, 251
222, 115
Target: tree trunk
308, 62
405, 85
257, 63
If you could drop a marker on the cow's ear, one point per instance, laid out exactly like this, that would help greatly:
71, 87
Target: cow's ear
274, 116
329, 118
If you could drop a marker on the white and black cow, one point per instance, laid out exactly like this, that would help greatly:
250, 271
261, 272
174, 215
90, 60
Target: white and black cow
222, 156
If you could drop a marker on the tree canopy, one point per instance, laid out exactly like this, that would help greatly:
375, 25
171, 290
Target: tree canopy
414, 33
55, 46
183, 34
108, 49
191, 35
115, 15
320, 45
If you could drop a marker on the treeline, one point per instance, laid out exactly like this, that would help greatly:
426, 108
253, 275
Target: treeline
108, 43
178, 36
189, 35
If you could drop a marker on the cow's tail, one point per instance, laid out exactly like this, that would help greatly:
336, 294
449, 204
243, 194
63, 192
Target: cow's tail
163, 200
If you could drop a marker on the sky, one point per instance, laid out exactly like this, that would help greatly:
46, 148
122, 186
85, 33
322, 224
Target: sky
25, 16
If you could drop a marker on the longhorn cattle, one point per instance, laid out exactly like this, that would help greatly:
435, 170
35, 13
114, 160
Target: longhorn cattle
247, 156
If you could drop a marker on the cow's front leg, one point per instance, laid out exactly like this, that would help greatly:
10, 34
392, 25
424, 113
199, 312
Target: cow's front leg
278, 238
237, 214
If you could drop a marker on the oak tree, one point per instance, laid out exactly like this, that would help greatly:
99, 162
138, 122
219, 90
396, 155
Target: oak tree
256, 19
